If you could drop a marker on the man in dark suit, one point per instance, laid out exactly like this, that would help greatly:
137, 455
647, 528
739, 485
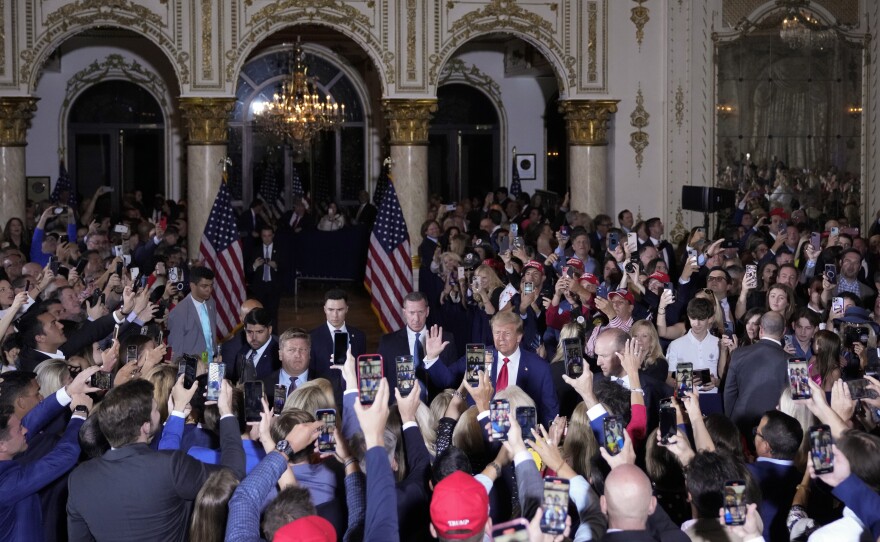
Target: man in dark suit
134, 492
264, 273
777, 441
627, 502
229, 348
335, 310
757, 375
295, 370
251, 221
296, 220
366, 212
259, 357
667, 252
511, 366
411, 340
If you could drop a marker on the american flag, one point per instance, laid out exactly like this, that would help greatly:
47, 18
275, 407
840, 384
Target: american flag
270, 193
63, 185
515, 186
389, 269
220, 247
382, 183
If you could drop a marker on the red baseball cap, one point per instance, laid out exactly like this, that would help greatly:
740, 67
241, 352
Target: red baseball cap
534, 264
779, 211
307, 529
659, 275
577, 264
460, 507
589, 277
626, 294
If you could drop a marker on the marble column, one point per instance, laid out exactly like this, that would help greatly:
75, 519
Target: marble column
15, 119
205, 122
587, 124
408, 122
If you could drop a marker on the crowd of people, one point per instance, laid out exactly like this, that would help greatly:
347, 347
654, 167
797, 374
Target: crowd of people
559, 377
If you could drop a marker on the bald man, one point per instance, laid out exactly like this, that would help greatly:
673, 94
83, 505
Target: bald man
237, 341
627, 503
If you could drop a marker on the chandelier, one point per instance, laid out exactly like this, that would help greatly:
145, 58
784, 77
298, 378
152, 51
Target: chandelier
296, 113
801, 31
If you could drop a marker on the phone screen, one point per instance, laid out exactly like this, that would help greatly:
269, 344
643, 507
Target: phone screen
101, 380
216, 372
406, 376
131, 354
799, 379
821, 453
279, 397
188, 367
574, 357
340, 348
858, 389
326, 439
613, 435
752, 272
460, 273
499, 418
668, 426
555, 505
527, 418
734, 502
369, 375
684, 379
253, 400
476, 356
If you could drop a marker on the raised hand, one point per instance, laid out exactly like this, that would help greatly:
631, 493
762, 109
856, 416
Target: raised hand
434, 343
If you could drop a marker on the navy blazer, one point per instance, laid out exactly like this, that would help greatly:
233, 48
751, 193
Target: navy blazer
778, 485
268, 362
533, 377
396, 344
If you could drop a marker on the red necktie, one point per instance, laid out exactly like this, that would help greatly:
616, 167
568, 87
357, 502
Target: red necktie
501, 381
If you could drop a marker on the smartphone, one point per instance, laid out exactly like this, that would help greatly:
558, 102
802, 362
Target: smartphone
460, 272
499, 419
668, 425
188, 367
64, 238
705, 376
668, 286
81, 266
475, 362
816, 241
340, 348
555, 505
527, 418
835, 230
116, 332
173, 275
326, 439
820, 449
169, 354
831, 273
684, 379
279, 397
141, 283
528, 287
120, 228
782, 227
516, 530
751, 272
58, 210
163, 223
799, 378
786, 341
131, 354
613, 241
632, 239
54, 265
837, 304
101, 380
574, 357
406, 376
514, 229
119, 269
517, 243
858, 389
612, 434
734, 502
216, 373
370, 373
504, 245
253, 400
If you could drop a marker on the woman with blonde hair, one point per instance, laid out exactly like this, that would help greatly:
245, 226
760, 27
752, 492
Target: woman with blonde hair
468, 436
312, 396
52, 375
162, 377
487, 288
580, 446
653, 361
516, 397
679, 329
806, 420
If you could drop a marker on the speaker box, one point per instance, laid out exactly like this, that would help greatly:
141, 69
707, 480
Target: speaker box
706, 199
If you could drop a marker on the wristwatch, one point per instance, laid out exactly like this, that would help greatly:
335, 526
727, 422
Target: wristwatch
284, 447
81, 409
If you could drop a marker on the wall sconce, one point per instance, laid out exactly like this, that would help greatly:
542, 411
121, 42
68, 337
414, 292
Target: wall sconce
725, 110
854, 111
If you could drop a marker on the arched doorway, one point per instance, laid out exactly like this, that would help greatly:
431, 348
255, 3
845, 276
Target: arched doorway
464, 144
116, 137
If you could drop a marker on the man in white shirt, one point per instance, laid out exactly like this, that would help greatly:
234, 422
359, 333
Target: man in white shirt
697, 346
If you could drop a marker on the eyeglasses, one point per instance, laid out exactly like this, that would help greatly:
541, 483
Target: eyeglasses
756, 433
715, 278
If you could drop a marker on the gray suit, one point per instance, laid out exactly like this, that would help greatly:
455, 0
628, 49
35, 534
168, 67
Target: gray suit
185, 328
757, 376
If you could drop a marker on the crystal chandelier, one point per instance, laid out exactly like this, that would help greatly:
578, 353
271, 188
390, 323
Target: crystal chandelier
801, 31
296, 113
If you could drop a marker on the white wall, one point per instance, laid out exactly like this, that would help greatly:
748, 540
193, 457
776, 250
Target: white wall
44, 140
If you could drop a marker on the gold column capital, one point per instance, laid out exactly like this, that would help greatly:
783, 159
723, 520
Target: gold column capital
206, 119
16, 113
408, 120
587, 120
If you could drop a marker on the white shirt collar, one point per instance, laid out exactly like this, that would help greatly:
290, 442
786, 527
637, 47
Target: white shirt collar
284, 378
333, 329
784, 462
58, 354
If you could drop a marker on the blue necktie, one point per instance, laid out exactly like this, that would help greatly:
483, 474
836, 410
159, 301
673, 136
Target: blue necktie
206, 329
417, 351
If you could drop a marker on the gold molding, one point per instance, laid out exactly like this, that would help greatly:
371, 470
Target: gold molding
679, 106
640, 17
408, 120
587, 120
206, 120
638, 140
15, 119
679, 231
207, 72
592, 40
410, 40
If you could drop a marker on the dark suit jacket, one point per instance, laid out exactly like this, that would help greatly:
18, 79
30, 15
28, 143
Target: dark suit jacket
136, 493
322, 344
268, 362
396, 344
88, 333
757, 375
654, 392
533, 377
628, 536
271, 380
255, 276
367, 215
778, 484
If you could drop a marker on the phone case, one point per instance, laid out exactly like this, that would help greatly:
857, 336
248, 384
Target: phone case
613, 435
499, 412
555, 505
370, 373
821, 453
253, 400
